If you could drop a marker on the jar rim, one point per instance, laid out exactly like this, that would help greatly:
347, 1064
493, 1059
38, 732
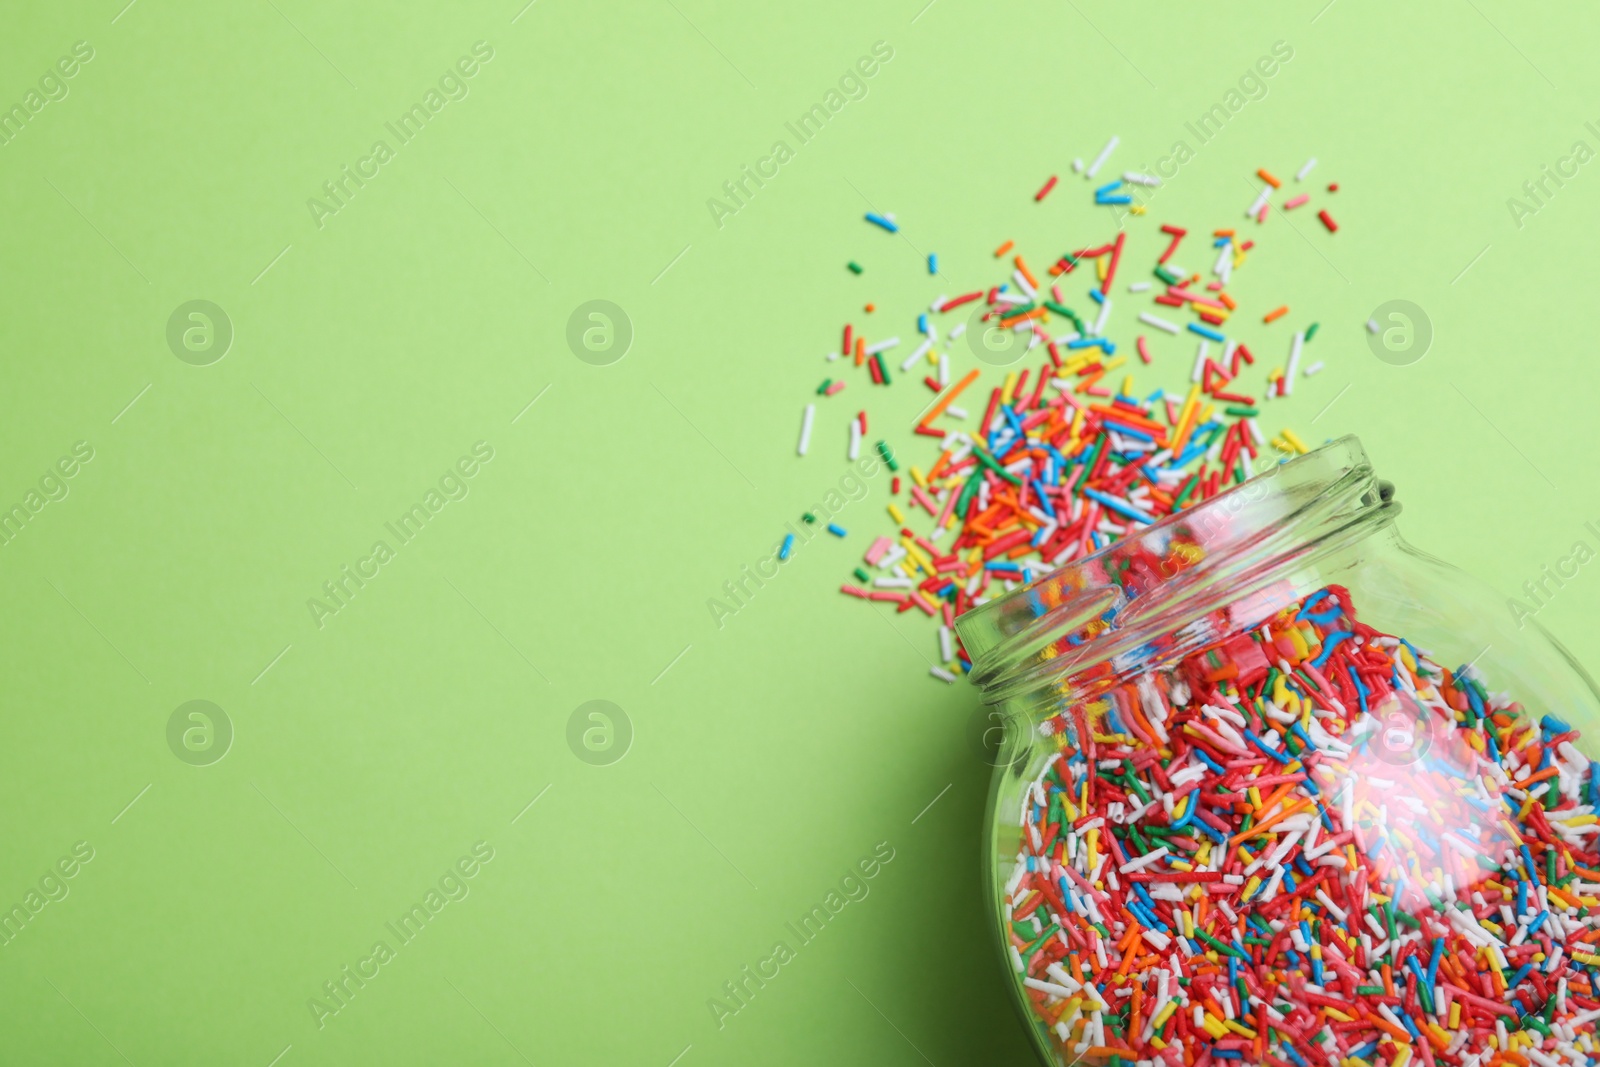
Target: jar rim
1288, 509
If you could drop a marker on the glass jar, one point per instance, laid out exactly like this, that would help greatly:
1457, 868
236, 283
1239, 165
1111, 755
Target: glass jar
1277, 788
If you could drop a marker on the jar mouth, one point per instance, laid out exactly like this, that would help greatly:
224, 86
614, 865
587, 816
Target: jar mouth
1156, 594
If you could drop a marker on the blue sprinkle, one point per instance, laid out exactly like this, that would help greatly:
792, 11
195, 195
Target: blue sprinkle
879, 220
1328, 643
1255, 740
788, 546
1195, 327
933, 263
835, 529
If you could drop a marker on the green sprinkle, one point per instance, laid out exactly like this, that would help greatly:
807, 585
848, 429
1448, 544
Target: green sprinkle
823, 388
855, 268
1218, 945
1241, 411
989, 461
1167, 276
862, 575
1311, 331
888, 455
809, 517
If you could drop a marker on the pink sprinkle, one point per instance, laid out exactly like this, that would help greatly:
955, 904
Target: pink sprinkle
879, 547
1296, 202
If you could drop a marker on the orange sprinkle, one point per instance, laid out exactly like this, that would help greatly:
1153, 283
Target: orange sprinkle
1002, 250
1228, 300
871, 308
1026, 273
949, 394
1275, 313
1222, 233
1267, 177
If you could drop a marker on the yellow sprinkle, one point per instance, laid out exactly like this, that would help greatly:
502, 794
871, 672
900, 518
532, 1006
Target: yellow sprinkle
1008, 388
1138, 209
1299, 445
896, 515
1240, 1029
1339, 1016
1455, 1014
918, 477
1213, 1026
1101, 265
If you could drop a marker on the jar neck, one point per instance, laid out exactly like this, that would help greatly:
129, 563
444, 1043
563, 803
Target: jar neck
1176, 586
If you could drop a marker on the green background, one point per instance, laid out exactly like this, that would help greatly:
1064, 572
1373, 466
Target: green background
768, 755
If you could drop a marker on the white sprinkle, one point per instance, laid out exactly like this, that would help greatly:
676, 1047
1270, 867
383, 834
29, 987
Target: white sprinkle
1372, 325
855, 439
805, 428
1294, 364
956, 412
832, 356
1099, 161
1141, 179
944, 370
1100, 320
960, 328
1138, 287
882, 346
921, 351
946, 652
1158, 322
1077, 166
1300, 175
949, 679
1144, 861
1199, 362
1261, 202
1314, 368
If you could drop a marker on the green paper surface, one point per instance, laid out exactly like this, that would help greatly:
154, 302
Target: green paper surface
412, 333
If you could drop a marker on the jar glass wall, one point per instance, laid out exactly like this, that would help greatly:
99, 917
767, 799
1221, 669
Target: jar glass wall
1277, 788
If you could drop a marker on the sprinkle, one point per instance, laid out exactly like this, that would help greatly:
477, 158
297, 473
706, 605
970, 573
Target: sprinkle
1295, 201
855, 268
1267, 177
933, 263
805, 428
1045, 191
835, 529
1276, 313
1327, 220
1300, 175
883, 221
1294, 363
1105, 153
1159, 323
788, 546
